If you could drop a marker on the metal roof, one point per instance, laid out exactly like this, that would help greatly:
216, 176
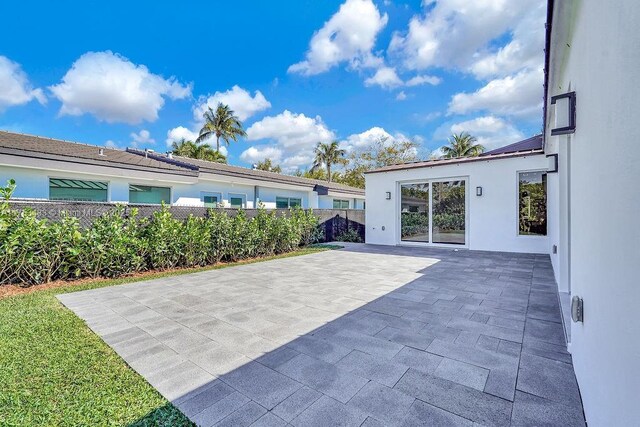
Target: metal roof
527, 147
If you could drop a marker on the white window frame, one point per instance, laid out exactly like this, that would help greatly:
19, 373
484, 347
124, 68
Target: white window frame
517, 205
236, 195
341, 200
50, 177
211, 193
430, 181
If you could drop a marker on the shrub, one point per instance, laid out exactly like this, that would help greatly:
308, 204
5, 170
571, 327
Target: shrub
349, 236
113, 245
164, 240
120, 243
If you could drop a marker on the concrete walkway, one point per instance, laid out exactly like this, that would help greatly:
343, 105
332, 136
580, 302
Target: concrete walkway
361, 336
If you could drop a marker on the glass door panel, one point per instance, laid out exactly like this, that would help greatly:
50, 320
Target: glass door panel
414, 212
449, 212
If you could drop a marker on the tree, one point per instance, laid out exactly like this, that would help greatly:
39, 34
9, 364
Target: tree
267, 165
328, 154
221, 123
383, 152
197, 151
462, 145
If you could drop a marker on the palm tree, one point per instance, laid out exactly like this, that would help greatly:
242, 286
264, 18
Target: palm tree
222, 123
462, 145
197, 151
327, 154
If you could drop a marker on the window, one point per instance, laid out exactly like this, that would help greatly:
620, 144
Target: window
287, 202
210, 201
79, 190
532, 203
340, 204
149, 195
236, 201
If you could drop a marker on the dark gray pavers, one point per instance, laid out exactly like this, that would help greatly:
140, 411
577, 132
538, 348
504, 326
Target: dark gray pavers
329, 412
529, 410
220, 409
323, 377
244, 416
464, 401
550, 379
393, 336
261, 384
416, 359
423, 414
462, 373
295, 404
373, 367
383, 403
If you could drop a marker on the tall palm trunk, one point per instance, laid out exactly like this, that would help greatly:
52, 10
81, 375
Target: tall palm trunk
329, 171
217, 143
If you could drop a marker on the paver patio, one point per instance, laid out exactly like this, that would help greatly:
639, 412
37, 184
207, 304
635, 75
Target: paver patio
361, 336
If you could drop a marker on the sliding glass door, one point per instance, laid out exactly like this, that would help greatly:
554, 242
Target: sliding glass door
434, 212
449, 212
414, 213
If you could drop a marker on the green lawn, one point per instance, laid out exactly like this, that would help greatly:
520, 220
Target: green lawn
55, 371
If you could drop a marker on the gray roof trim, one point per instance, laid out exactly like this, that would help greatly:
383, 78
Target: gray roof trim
35, 147
445, 162
205, 166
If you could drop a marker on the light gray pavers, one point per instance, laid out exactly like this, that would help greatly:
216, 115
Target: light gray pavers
366, 336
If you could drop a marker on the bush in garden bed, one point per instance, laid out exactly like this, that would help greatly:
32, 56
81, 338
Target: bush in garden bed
38, 251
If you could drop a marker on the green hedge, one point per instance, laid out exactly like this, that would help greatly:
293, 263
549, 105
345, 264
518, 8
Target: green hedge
38, 251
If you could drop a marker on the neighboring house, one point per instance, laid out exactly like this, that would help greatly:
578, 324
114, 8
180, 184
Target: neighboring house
494, 202
572, 195
52, 169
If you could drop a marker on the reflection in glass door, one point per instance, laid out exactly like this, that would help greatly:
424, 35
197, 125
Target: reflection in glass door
448, 210
414, 212
433, 212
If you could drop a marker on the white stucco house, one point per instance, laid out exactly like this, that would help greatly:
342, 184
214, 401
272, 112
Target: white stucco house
51, 169
573, 195
492, 202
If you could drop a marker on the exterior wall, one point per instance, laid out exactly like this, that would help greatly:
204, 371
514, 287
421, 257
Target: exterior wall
326, 202
267, 196
191, 195
492, 219
33, 183
594, 52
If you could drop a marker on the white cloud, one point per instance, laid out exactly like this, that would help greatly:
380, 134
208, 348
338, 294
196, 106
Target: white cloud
491, 131
424, 79
385, 77
179, 133
237, 98
292, 136
290, 130
523, 51
256, 154
401, 96
348, 36
519, 95
141, 138
452, 33
110, 144
367, 138
113, 89
15, 88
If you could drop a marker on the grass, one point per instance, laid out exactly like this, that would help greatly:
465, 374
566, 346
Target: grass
55, 371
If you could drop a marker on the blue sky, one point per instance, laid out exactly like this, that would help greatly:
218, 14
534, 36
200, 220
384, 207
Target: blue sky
297, 72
